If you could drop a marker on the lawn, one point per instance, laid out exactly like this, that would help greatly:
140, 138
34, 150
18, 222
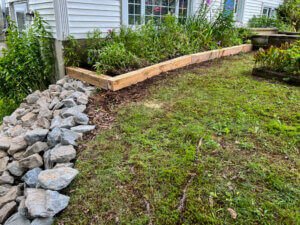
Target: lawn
206, 145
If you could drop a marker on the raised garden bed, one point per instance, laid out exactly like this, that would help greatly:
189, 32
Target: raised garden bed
128, 79
267, 40
269, 74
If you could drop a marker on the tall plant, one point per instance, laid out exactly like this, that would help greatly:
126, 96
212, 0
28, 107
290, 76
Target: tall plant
289, 12
28, 62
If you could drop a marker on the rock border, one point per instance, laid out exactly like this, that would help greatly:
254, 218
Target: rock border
37, 152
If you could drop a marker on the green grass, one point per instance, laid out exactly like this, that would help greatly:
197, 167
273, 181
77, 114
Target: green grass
249, 160
6, 108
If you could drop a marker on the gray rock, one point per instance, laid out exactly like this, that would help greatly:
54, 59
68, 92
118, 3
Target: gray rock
5, 143
62, 154
4, 189
54, 102
54, 137
57, 179
15, 169
65, 94
69, 102
61, 82
42, 103
36, 148
45, 113
69, 137
2, 154
43, 221
74, 111
44, 204
19, 155
3, 163
81, 119
56, 122
56, 202
31, 99
22, 208
59, 105
17, 219
83, 100
12, 120
55, 88
35, 203
47, 161
83, 128
43, 123
17, 144
31, 177
32, 161
11, 195
60, 165
16, 131
36, 135
6, 178
63, 123
7, 210
28, 119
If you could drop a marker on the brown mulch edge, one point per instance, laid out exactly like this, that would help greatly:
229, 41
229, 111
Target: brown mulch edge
283, 77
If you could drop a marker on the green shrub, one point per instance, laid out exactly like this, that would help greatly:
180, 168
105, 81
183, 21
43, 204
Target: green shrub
284, 59
28, 63
72, 52
115, 59
266, 22
289, 13
7, 106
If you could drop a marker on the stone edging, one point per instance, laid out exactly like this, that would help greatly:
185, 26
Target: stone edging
37, 151
131, 78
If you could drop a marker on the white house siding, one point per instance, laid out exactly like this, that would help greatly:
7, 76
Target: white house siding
214, 7
46, 10
87, 15
254, 8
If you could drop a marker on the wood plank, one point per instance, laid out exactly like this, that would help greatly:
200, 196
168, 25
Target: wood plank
90, 77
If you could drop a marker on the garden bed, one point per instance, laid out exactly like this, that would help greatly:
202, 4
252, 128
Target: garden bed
124, 80
266, 73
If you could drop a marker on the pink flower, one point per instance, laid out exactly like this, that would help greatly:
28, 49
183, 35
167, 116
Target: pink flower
208, 2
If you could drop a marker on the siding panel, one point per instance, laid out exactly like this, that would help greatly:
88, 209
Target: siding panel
88, 15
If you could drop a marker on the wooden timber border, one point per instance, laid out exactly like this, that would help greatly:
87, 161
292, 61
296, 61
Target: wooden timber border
125, 80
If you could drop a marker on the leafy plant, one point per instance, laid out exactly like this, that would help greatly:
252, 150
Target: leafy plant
267, 22
28, 62
283, 59
114, 58
289, 12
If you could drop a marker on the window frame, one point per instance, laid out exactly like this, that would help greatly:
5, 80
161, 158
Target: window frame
270, 11
125, 12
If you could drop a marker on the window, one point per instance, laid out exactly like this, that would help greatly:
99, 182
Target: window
269, 12
141, 11
20, 10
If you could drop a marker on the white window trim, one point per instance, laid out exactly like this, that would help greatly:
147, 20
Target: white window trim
269, 8
125, 20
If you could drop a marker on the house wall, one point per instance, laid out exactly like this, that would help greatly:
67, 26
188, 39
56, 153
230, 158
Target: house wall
254, 8
214, 7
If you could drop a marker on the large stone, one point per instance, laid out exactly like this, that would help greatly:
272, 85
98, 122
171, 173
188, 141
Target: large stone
31, 177
55, 88
43, 123
63, 123
6, 178
57, 179
35, 202
43, 221
36, 135
15, 169
44, 204
28, 119
54, 137
81, 119
56, 122
5, 143
11, 120
36, 148
19, 155
60, 165
69, 137
73, 111
22, 208
69, 102
7, 210
32, 161
31, 99
16, 131
62, 154
3, 163
11, 195
42, 103
17, 144
17, 219
83, 100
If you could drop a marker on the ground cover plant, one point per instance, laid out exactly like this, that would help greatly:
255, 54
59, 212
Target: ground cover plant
284, 59
132, 48
212, 139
